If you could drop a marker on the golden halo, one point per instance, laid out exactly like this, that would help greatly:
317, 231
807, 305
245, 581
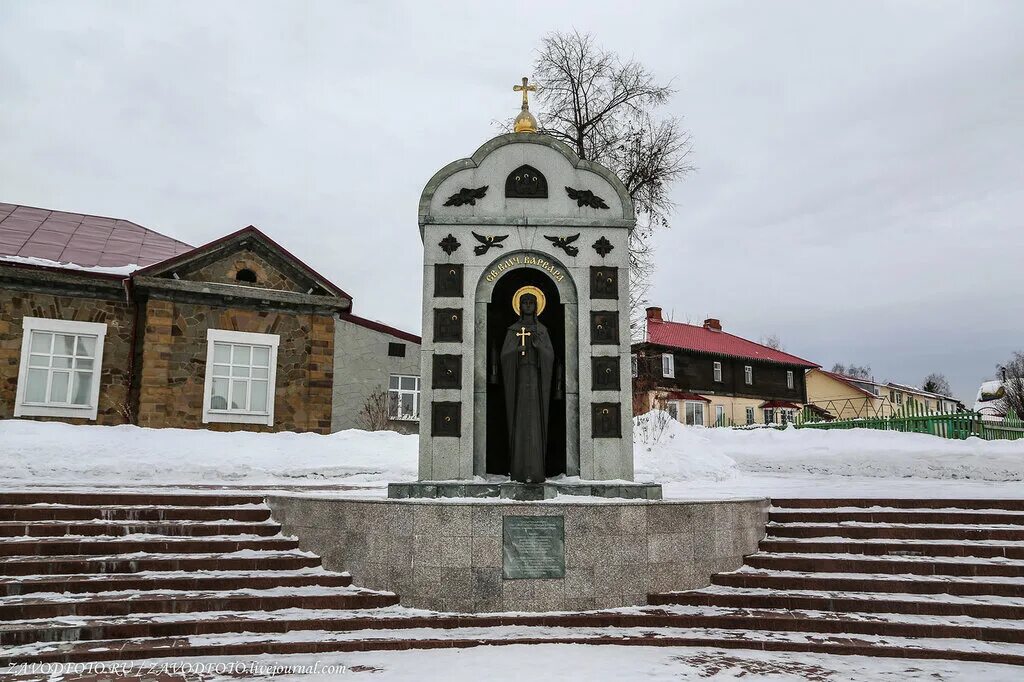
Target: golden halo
529, 289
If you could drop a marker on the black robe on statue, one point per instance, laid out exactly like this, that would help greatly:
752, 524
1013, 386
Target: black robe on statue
526, 380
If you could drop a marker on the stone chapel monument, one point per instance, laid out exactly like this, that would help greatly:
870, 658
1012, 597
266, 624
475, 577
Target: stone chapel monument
525, 366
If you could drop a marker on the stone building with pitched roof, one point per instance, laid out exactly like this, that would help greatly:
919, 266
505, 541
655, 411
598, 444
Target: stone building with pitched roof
105, 321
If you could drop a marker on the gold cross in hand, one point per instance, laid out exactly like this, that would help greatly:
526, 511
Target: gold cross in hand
522, 334
524, 88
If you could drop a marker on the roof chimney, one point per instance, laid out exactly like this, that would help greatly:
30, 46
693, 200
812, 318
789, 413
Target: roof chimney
713, 324
654, 313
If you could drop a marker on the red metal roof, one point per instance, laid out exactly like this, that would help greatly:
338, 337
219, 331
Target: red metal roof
780, 403
701, 339
380, 327
683, 395
85, 240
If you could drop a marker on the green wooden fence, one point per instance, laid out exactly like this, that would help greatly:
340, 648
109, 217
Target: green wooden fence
914, 418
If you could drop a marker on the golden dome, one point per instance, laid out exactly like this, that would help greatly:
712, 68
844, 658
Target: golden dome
525, 122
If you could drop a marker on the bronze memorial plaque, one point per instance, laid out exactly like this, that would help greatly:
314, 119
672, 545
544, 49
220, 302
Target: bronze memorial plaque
533, 547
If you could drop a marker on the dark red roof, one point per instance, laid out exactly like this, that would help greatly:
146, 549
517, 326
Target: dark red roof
85, 240
703, 340
780, 403
380, 327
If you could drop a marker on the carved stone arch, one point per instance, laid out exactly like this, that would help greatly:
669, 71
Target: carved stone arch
526, 182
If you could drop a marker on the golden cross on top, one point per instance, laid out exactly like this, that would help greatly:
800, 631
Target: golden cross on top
525, 89
522, 333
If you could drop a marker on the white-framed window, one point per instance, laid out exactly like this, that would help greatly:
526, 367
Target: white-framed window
673, 409
719, 415
789, 379
404, 397
694, 413
748, 375
668, 365
769, 415
634, 365
241, 371
59, 374
788, 415
718, 371
750, 416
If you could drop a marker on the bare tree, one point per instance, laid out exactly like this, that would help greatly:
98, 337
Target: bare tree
855, 371
937, 383
772, 341
603, 107
374, 415
1012, 375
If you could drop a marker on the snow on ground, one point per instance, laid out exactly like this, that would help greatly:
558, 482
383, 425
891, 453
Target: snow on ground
690, 462
572, 663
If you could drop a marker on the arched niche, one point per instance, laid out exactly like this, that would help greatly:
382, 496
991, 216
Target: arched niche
526, 182
492, 318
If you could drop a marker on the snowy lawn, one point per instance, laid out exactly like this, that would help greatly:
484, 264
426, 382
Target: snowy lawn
576, 662
690, 462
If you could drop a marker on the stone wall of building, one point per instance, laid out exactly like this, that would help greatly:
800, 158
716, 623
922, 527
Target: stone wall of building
363, 366
448, 555
114, 375
173, 372
224, 271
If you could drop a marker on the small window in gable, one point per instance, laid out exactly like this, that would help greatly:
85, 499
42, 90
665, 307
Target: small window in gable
526, 182
396, 350
246, 275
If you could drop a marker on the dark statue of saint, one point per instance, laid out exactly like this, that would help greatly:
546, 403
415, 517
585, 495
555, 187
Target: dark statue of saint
527, 363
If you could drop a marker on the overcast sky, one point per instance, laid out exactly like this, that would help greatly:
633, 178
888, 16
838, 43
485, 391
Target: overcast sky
860, 190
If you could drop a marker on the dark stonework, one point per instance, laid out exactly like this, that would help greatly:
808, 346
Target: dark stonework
533, 547
605, 373
524, 492
466, 195
607, 422
585, 197
604, 282
488, 243
526, 182
447, 371
565, 244
449, 244
604, 327
446, 419
448, 325
448, 280
603, 246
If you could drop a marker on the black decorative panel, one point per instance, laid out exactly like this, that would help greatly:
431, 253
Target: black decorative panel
396, 350
526, 182
446, 419
447, 279
604, 282
605, 373
606, 420
448, 325
604, 327
447, 371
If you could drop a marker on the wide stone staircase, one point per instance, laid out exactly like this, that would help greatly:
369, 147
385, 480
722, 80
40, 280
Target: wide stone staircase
120, 576
898, 577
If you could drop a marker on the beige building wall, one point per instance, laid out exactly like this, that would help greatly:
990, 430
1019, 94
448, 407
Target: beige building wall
735, 409
841, 399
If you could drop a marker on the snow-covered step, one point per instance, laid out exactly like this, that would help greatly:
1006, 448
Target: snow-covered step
900, 503
940, 605
152, 544
894, 515
315, 641
841, 545
153, 512
242, 560
65, 498
113, 529
898, 531
920, 565
170, 580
